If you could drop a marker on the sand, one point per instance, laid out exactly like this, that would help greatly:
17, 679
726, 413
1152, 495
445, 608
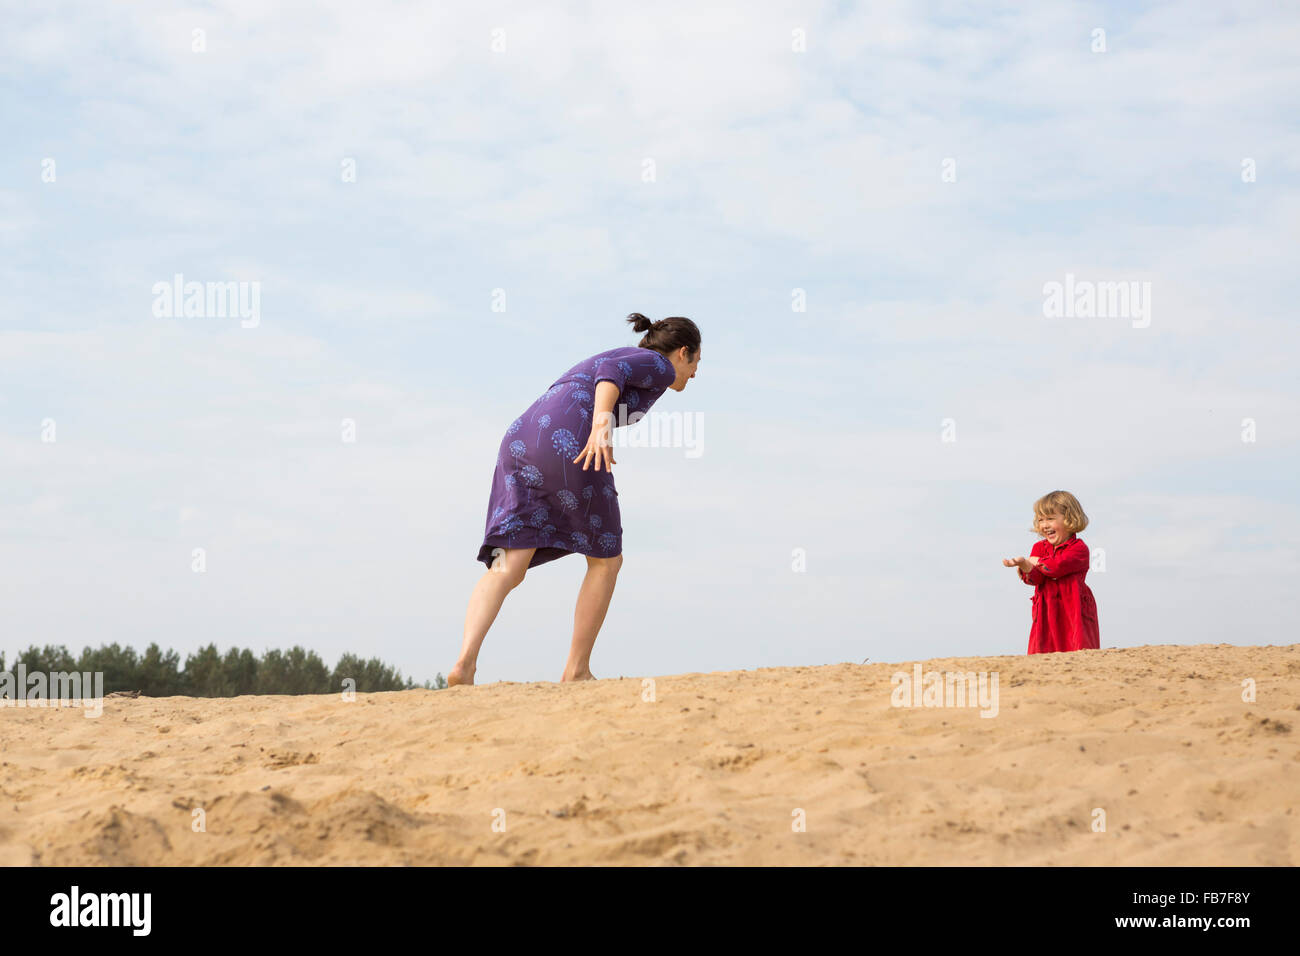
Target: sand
776, 766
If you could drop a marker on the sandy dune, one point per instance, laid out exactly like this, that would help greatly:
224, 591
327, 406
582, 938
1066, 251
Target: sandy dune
713, 771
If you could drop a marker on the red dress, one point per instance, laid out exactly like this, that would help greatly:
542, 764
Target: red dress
1065, 612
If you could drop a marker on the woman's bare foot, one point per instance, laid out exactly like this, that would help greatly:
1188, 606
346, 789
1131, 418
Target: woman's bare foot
460, 674
581, 675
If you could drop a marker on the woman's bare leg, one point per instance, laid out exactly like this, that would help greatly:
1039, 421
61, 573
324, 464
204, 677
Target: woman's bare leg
506, 573
593, 602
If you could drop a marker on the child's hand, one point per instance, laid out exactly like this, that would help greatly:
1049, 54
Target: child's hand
1010, 562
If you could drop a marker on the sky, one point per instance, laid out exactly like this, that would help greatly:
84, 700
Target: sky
443, 207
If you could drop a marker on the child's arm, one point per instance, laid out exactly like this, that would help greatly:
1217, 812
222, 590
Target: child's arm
1074, 560
1025, 567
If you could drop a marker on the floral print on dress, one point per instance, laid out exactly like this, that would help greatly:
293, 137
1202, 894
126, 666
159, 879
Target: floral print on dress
533, 503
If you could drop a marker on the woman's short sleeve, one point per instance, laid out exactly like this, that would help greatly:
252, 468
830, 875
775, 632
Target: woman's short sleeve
643, 369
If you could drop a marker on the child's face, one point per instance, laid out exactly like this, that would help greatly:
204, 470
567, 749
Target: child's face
1052, 527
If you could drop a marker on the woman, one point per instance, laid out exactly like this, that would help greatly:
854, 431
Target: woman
553, 490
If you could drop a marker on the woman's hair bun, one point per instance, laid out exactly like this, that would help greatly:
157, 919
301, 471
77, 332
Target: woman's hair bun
667, 335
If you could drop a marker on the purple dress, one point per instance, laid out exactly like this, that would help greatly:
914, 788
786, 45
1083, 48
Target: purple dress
540, 497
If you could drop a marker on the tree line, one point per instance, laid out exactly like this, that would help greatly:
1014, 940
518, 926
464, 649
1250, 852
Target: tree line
209, 673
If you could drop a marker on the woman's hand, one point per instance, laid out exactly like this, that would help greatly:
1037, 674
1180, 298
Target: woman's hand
598, 446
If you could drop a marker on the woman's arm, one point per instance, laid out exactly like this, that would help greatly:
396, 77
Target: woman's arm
602, 421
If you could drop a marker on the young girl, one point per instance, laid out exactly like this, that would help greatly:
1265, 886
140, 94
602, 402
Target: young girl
1065, 612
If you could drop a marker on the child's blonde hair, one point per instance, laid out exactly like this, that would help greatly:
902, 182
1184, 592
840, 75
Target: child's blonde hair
1064, 504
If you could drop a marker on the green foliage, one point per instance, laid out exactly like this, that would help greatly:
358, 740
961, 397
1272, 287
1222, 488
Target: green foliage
204, 674
158, 674
46, 659
240, 668
208, 673
297, 672
370, 676
118, 664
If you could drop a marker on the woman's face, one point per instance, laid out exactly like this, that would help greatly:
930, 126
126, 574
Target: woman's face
685, 366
